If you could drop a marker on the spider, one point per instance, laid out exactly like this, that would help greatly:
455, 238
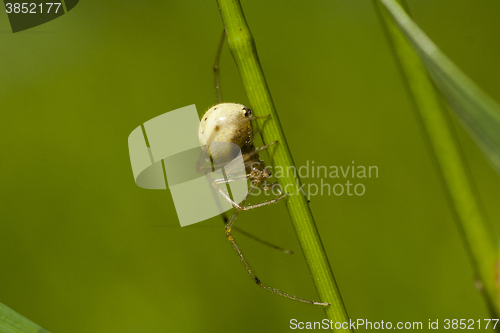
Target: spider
231, 122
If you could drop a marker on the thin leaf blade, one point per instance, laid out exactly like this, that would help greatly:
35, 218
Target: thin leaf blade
13, 322
477, 112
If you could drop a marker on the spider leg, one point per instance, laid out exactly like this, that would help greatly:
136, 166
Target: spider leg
262, 138
270, 188
250, 271
242, 207
257, 280
260, 240
228, 180
217, 68
258, 150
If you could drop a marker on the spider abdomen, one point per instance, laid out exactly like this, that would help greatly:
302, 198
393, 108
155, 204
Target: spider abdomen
226, 122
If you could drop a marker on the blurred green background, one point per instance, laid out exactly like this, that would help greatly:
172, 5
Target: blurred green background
86, 250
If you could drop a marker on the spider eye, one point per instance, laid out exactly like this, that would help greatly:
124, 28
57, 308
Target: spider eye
248, 112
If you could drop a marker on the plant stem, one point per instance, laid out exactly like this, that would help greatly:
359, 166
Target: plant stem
242, 47
474, 229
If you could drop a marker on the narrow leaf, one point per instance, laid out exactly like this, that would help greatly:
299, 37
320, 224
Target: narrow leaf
477, 112
13, 322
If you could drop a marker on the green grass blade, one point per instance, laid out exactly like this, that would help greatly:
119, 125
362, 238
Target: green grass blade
477, 112
13, 322
410, 45
242, 47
